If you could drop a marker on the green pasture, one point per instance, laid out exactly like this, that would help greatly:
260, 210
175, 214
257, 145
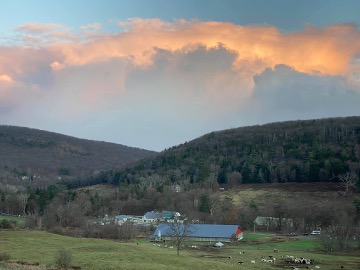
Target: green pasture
270, 241
40, 247
20, 221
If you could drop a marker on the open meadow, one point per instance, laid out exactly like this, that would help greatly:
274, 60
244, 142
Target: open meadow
36, 250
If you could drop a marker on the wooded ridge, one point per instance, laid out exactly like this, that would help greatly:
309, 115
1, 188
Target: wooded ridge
34, 154
293, 151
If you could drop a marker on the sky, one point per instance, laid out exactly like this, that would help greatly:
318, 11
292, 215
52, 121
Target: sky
154, 74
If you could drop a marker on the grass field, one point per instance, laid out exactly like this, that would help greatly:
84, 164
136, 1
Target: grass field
38, 247
310, 194
20, 221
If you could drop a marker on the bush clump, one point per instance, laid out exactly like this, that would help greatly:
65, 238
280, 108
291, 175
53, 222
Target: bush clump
5, 224
4, 256
63, 258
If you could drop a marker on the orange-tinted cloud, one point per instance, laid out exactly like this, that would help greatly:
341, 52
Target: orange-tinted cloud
38, 28
325, 50
329, 51
5, 78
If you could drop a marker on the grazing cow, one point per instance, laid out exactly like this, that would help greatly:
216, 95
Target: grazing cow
252, 262
289, 257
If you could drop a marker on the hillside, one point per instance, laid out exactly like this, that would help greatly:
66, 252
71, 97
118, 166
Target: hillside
293, 151
43, 156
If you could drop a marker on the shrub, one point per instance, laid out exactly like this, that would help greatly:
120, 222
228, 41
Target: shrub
57, 230
109, 231
327, 244
4, 256
63, 258
5, 224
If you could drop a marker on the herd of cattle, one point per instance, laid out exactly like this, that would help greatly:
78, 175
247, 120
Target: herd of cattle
288, 259
292, 259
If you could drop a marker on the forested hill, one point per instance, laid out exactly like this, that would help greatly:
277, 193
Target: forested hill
293, 151
39, 156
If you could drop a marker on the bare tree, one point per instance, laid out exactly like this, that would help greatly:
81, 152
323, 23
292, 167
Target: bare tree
179, 231
60, 212
23, 200
234, 179
338, 236
127, 230
348, 180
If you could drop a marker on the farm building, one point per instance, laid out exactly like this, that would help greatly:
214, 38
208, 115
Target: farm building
200, 232
149, 218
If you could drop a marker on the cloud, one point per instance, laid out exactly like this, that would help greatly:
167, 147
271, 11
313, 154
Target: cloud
326, 50
40, 34
39, 28
92, 26
139, 23
5, 78
283, 93
177, 79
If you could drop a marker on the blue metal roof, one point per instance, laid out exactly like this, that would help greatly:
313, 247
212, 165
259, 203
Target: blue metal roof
152, 215
201, 230
121, 217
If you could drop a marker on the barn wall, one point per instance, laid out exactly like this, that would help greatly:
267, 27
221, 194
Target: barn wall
199, 239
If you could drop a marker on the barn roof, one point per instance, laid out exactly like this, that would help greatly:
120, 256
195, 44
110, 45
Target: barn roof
122, 217
201, 230
152, 215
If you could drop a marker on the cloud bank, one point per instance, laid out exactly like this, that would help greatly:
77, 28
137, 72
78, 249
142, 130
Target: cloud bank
155, 84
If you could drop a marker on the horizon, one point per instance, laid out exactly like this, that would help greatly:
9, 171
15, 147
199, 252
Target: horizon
134, 146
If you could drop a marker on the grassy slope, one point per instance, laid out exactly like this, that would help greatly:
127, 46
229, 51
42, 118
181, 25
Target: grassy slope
314, 194
37, 246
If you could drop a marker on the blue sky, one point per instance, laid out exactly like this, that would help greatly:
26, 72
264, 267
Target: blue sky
154, 74
285, 14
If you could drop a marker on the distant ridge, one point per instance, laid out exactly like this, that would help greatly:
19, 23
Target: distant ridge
27, 152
